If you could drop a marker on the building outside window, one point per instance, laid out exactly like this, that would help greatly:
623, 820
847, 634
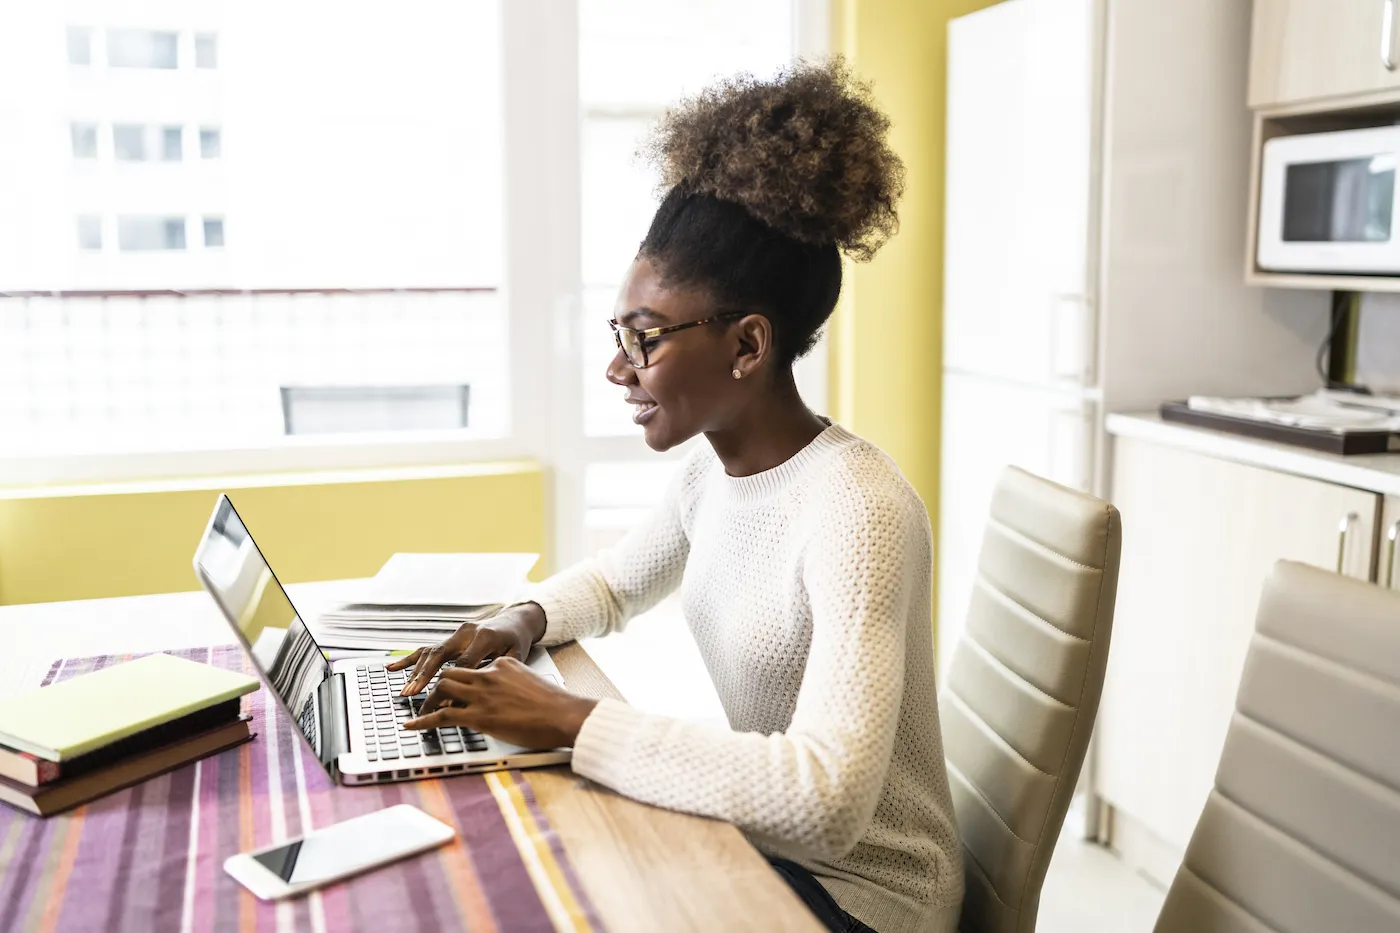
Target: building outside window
79, 45
206, 50
213, 232
129, 142
89, 232
210, 142
172, 143
84, 140
139, 232
142, 48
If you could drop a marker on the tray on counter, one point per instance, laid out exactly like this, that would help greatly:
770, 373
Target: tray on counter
1335, 442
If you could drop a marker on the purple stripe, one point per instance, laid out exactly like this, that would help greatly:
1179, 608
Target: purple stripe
99, 859
147, 851
212, 852
37, 838
124, 856
275, 732
255, 757
169, 883
509, 889
52, 675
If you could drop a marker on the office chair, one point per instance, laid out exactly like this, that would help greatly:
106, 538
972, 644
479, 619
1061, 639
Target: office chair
1301, 833
1023, 688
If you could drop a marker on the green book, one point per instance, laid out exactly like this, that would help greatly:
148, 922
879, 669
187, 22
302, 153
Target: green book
66, 719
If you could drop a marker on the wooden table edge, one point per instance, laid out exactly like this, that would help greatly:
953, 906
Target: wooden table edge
696, 874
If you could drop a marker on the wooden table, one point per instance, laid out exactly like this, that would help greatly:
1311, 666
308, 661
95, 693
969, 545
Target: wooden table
645, 869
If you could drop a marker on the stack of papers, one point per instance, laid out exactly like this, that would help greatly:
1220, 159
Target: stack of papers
420, 599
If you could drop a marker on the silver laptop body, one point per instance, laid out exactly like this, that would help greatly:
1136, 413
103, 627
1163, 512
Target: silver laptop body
349, 712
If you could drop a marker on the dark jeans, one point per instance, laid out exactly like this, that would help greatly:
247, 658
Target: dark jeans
817, 900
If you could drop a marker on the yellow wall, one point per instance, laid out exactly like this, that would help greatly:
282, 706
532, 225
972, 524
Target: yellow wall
129, 539
886, 345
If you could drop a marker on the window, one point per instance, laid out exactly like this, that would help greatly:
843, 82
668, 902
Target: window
142, 48
89, 231
206, 50
368, 270
367, 213
172, 144
79, 45
84, 140
150, 233
680, 47
129, 142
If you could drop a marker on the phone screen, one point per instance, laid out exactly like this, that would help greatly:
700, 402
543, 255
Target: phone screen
351, 846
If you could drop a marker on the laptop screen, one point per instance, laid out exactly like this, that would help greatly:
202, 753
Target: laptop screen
234, 571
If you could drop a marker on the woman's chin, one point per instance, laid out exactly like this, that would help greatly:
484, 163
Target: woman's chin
658, 437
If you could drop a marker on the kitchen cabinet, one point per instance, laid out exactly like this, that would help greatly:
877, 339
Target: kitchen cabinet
1304, 50
1388, 573
1200, 534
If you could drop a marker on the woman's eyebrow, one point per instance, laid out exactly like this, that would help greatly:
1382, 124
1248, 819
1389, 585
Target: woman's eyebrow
636, 314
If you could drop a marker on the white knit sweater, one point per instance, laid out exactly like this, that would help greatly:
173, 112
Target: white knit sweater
807, 588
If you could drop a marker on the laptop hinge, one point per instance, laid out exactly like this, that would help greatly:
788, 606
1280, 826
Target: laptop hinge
335, 724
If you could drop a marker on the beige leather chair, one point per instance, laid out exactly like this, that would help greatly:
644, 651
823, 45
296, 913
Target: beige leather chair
1301, 833
1023, 689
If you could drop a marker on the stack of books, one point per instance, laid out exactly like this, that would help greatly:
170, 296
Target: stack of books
74, 741
420, 599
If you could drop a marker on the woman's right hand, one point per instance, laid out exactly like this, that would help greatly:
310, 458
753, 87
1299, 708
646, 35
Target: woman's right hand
510, 633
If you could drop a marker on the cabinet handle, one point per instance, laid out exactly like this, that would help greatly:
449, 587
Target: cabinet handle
1391, 537
1343, 529
1388, 34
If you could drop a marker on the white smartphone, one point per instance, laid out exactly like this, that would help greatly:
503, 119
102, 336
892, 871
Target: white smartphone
338, 851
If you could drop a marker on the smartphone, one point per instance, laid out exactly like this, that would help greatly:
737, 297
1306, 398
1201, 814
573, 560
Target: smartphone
338, 851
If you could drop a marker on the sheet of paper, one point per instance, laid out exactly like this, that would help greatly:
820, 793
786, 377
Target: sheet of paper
450, 579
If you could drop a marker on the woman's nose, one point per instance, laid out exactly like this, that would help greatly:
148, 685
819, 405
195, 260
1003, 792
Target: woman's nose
620, 372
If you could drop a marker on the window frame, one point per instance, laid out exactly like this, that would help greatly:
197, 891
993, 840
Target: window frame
541, 288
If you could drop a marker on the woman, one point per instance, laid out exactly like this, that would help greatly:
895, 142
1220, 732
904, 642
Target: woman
802, 555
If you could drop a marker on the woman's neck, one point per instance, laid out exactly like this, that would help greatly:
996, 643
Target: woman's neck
768, 432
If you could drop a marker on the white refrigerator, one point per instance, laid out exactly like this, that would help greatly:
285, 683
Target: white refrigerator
1019, 334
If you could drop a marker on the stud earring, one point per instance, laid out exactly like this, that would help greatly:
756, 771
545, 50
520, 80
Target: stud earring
738, 375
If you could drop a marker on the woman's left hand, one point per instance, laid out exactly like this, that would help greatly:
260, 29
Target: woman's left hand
506, 700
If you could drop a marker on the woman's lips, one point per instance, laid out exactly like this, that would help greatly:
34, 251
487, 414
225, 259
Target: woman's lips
644, 410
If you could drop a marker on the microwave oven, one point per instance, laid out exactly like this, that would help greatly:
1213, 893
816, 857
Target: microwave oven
1327, 203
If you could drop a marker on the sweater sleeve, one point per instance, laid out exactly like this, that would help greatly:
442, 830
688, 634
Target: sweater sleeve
812, 789
599, 596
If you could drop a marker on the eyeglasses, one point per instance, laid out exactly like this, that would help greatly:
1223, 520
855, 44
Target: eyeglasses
635, 344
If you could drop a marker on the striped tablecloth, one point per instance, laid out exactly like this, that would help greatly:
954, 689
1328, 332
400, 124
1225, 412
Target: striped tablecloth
150, 858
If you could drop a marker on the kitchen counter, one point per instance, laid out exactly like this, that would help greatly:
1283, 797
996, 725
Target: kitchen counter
1372, 472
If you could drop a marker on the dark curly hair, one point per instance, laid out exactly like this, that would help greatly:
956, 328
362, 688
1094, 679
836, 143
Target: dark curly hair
768, 182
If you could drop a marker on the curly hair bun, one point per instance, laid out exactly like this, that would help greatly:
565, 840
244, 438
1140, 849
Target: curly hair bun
804, 152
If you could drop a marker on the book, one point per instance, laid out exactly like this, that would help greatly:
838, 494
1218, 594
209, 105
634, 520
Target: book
66, 793
75, 716
28, 768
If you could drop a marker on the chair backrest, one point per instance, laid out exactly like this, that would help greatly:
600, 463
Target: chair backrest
1301, 833
1023, 688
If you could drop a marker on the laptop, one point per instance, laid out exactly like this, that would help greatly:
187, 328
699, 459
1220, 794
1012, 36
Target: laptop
349, 711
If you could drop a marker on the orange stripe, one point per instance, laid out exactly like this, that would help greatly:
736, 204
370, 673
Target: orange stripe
462, 879
65, 869
247, 903
574, 913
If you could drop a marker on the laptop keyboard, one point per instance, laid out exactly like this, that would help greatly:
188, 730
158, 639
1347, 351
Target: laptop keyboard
384, 712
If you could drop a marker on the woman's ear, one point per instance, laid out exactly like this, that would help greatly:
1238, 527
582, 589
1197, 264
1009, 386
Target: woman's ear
753, 344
